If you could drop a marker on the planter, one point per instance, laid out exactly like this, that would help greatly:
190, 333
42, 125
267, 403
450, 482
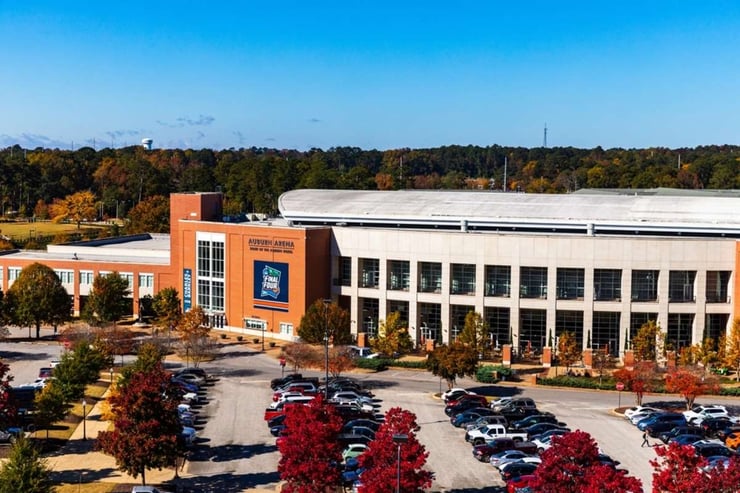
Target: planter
256, 340
239, 338
223, 336
272, 344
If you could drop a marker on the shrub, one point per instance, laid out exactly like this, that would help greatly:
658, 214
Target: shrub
376, 364
407, 364
492, 373
578, 382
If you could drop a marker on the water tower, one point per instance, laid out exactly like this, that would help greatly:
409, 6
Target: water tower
147, 144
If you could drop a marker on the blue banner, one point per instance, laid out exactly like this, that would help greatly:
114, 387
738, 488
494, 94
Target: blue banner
187, 289
271, 285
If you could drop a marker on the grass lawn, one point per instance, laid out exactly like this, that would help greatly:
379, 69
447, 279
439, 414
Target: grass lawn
61, 431
41, 228
98, 487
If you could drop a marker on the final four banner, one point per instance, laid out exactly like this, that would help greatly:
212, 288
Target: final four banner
271, 285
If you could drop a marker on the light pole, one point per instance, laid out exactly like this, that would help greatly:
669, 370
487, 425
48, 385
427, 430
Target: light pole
84, 421
327, 302
399, 439
111, 375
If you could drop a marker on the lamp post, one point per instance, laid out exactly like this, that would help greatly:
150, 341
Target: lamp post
399, 439
327, 302
84, 421
263, 336
111, 375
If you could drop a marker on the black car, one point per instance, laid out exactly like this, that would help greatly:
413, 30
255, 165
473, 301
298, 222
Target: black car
538, 428
277, 383
708, 449
723, 433
655, 429
712, 425
534, 419
678, 430
512, 415
461, 407
368, 423
517, 469
277, 420
191, 370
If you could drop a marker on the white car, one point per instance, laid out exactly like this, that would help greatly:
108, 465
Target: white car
39, 383
637, 417
500, 402
631, 411
697, 414
352, 396
543, 443
506, 456
455, 391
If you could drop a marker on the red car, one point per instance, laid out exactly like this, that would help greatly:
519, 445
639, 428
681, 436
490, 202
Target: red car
521, 484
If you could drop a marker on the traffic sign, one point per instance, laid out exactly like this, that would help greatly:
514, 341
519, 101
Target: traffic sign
620, 386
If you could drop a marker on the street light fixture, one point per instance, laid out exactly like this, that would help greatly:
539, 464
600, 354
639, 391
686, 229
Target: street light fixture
84, 421
327, 302
399, 439
111, 375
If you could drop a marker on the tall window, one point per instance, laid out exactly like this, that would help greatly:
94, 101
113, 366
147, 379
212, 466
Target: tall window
13, 273
498, 280
681, 286
86, 277
607, 285
211, 272
430, 321
457, 319
644, 285
716, 326
499, 325
345, 271
369, 272
533, 282
402, 307
398, 275
462, 279
65, 276
129, 277
430, 277
606, 331
717, 286
637, 320
532, 329
286, 328
569, 321
370, 315
678, 333
570, 284
146, 280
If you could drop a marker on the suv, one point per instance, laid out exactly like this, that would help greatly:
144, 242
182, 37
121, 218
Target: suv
517, 403
697, 414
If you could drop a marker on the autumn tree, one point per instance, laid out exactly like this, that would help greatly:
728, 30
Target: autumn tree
340, 360
7, 409
167, 308
690, 383
678, 469
37, 297
108, 300
475, 332
732, 349
393, 337
640, 379
571, 465
309, 448
195, 334
51, 406
77, 207
380, 461
151, 215
647, 342
568, 350
321, 318
453, 361
146, 424
25, 470
299, 355
115, 341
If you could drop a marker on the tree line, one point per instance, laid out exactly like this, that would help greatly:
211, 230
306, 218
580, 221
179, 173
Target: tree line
252, 179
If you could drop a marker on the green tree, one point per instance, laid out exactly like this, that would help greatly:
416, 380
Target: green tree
475, 333
146, 424
321, 318
151, 215
568, 350
25, 470
194, 332
393, 337
108, 300
732, 349
167, 308
453, 361
77, 207
78, 368
647, 342
51, 406
37, 297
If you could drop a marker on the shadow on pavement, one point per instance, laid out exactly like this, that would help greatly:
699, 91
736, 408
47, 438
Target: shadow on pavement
496, 391
222, 483
79, 476
25, 356
225, 453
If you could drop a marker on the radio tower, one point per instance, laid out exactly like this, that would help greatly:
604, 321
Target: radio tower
544, 139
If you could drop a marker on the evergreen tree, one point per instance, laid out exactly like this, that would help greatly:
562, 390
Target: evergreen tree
25, 470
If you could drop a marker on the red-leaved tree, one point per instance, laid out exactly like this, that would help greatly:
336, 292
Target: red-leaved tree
309, 448
572, 465
678, 470
382, 457
7, 409
690, 383
146, 423
640, 379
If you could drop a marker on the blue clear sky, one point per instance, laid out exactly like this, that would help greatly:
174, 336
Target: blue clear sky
372, 74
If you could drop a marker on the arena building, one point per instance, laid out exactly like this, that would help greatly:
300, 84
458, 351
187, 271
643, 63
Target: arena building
598, 263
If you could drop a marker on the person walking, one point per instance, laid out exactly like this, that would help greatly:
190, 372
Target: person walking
645, 439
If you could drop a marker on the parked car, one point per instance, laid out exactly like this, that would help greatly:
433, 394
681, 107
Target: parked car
506, 456
733, 440
645, 413
555, 432
484, 451
46, 372
631, 411
539, 428
493, 419
478, 400
712, 425
686, 439
521, 484
517, 403
707, 448
722, 433
679, 430
188, 435
655, 429
10, 434
462, 406
466, 417
676, 418
516, 469
194, 370
291, 377
454, 393
489, 432
368, 423
534, 419
353, 450
146, 489
500, 402
697, 414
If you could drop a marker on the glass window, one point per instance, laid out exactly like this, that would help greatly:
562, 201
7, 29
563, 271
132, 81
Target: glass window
605, 335
211, 274
345, 271
146, 280
569, 321
717, 286
638, 319
462, 279
570, 284
370, 314
86, 277
678, 333
286, 328
498, 280
499, 325
532, 329
65, 276
430, 277
644, 285
402, 307
716, 326
430, 321
369, 272
533, 282
399, 275
607, 285
128, 277
457, 319
13, 273
681, 286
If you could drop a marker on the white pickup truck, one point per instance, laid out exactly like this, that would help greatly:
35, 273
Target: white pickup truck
489, 432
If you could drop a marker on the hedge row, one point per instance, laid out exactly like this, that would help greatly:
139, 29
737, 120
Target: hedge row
492, 373
578, 382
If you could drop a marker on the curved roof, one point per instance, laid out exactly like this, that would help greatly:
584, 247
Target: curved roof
610, 212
